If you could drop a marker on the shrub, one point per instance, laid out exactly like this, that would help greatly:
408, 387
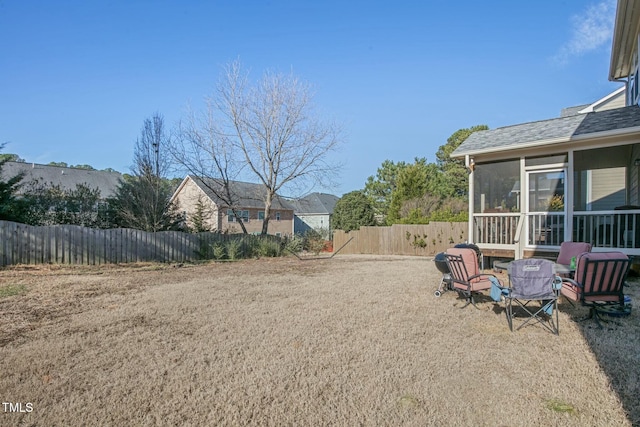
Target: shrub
294, 244
218, 250
234, 249
313, 241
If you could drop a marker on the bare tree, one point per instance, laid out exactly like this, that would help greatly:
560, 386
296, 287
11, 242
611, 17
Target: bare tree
204, 149
274, 125
142, 201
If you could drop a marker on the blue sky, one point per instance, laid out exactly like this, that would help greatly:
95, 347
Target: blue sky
78, 78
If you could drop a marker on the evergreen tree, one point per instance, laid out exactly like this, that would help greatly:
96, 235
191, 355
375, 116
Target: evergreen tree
352, 211
11, 207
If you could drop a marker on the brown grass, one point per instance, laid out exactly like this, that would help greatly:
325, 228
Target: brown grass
355, 340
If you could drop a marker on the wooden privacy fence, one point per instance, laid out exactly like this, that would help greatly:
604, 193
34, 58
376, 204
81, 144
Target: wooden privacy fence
401, 239
72, 244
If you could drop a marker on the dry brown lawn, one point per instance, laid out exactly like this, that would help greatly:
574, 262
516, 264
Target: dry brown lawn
355, 340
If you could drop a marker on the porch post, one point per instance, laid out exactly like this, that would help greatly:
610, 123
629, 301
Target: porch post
468, 164
524, 209
568, 199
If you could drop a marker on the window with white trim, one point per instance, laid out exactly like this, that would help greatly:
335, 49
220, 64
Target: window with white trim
244, 215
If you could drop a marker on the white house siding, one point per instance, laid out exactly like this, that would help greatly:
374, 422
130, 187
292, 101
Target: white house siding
305, 222
617, 101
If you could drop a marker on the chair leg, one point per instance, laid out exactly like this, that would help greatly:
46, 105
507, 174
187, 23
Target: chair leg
599, 319
593, 314
539, 315
469, 298
509, 312
473, 302
569, 301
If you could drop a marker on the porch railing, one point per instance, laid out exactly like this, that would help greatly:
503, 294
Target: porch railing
603, 229
495, 229
608, 229
545, 228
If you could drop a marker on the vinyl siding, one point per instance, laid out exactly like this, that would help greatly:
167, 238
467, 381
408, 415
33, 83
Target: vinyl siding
607, 188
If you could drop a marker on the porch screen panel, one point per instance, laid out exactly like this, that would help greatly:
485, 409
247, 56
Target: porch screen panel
497, 187
546, 214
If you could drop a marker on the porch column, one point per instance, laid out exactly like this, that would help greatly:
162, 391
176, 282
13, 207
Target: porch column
568, 199
523, 233
470, 166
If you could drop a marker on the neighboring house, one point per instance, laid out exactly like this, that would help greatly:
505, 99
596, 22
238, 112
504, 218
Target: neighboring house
573, 178
35, 175
313, 212
194, 196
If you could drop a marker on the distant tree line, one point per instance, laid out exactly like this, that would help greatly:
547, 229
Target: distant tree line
410, 193
141, 201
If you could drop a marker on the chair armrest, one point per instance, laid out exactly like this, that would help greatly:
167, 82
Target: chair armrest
557, 283
571, 281
486, 275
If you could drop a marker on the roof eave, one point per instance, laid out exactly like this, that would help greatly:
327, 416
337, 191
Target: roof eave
624, 38
552, 141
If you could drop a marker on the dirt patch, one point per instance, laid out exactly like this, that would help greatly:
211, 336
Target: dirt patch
354, 340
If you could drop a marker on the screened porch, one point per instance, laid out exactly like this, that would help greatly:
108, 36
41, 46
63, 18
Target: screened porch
533, 203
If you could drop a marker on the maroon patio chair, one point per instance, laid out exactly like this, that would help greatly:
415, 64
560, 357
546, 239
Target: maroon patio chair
598, 281
569, 250
466, 277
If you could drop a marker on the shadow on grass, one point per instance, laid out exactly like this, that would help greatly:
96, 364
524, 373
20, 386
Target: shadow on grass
616, 346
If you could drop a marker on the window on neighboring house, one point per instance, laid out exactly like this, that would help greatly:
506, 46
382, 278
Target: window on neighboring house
278, 234
244, 216
261, 216
277, 216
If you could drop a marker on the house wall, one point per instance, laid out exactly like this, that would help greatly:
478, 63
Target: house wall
187, 201
216, 216
607, 188
304, 223
617, 101
284, 226
634, 177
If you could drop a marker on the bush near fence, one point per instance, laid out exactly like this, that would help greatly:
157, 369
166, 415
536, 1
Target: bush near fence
72, 244
402, 239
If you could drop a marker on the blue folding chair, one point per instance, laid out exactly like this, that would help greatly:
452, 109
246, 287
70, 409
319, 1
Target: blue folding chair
531, 281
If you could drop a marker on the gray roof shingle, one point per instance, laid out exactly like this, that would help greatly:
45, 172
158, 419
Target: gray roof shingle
66, 178
249, 195
556, 130
315, 203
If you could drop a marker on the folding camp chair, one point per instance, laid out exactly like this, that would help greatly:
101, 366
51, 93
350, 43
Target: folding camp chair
466, 277
598, 281
532, 280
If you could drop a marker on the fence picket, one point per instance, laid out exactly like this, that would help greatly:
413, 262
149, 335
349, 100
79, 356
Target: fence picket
71, 244
67, 244
402, 239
